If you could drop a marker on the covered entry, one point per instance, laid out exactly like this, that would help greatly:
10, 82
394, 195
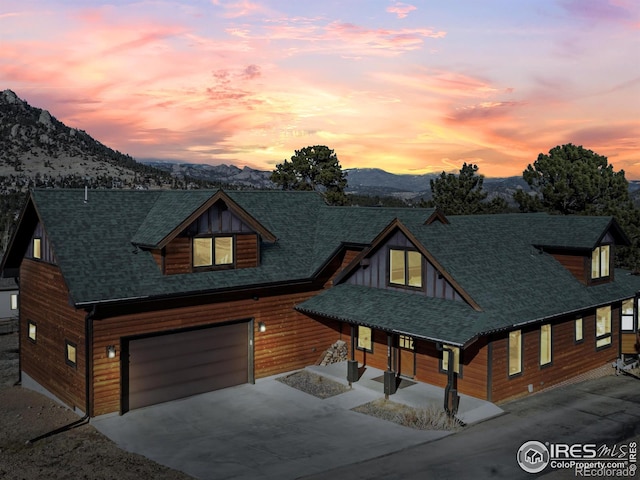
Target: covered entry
174, 365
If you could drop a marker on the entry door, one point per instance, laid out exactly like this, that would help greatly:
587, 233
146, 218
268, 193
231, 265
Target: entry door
407, 356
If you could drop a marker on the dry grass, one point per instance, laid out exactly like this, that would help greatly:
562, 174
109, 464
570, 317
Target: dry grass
429, 418
313, 384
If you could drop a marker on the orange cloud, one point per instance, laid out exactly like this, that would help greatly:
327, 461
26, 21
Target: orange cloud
401, 9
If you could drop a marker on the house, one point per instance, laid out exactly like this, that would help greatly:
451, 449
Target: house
131, 298
8, 305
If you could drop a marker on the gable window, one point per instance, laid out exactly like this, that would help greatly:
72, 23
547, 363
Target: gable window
71, 353
603, 327
579, 330
208, 251
446, 355
545, 344
405, 268
600, 261
32, 330
37, 248
515, 352
14, 301
365, 340
627, 320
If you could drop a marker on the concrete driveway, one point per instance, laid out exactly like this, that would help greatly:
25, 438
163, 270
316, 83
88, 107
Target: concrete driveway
270, 430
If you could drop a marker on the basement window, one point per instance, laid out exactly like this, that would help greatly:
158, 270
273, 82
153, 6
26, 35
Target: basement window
71, 353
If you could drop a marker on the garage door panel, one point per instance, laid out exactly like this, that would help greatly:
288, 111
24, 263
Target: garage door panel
171, 366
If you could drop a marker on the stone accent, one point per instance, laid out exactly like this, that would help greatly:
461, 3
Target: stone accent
335, 353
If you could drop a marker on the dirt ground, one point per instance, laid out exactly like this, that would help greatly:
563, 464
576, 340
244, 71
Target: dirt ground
79, 453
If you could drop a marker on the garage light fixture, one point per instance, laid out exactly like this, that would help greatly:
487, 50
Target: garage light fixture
111, 351
262, 327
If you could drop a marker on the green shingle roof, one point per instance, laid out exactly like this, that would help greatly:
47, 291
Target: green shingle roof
493, 258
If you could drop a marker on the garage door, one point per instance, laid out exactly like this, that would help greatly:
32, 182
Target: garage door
177, 365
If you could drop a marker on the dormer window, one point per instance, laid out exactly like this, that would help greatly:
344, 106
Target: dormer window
600, 258
405, 268
212, 251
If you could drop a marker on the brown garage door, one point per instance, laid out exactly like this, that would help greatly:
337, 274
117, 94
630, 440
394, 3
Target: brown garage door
170, 366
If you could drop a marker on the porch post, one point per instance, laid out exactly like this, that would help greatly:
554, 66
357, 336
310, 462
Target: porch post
389, 376
352, 365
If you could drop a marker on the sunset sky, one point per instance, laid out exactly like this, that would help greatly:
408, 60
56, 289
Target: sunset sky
410, 87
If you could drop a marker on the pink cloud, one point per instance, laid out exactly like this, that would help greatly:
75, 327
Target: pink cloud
401, 9
238, 9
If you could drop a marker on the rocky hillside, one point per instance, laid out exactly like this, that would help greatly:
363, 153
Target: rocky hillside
226, 174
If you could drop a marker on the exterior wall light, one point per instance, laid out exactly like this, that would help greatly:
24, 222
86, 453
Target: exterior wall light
111, 351
262, 327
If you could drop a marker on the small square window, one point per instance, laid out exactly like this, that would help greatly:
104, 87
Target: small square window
14, 301
32, 331
202, 252
405, 268
71, 352
37, 248
365, 340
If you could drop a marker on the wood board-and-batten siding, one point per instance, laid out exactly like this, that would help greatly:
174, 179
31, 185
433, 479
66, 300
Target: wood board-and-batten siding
376, 273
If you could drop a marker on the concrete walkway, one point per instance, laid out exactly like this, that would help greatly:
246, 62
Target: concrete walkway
270, 430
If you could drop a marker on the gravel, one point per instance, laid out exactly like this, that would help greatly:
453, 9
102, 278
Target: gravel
313, 384
79, 453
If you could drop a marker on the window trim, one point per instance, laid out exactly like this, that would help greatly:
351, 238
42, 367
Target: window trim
599, 250
403, 340
608, 335
31, 323
364, 348
577, 340
37, 241
520, 354
67, 359
457, 359
623, 316
548, 361
405, 251
213, 265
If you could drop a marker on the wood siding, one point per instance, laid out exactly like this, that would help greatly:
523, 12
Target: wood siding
629, 343
177, 256
578, 265
291, 340
472, 380
376, 274
44, 301
568, 357
247, 250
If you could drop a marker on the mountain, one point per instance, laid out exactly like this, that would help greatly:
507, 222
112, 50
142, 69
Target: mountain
225, 174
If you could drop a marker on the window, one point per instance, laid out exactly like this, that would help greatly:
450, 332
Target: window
603, 327
32, 330
14, 301
364, 339
515, 352
37, 248
627, 320
209, 251
545, 344
405, 342
71, 353
405, 268
600, 262
579, 330
202, 252
456, 358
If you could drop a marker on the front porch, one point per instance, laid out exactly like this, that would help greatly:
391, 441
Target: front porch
417, 394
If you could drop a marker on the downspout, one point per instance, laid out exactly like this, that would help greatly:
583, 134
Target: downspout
88, 344
451, 397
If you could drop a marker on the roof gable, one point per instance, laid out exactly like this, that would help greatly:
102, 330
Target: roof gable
173, 212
